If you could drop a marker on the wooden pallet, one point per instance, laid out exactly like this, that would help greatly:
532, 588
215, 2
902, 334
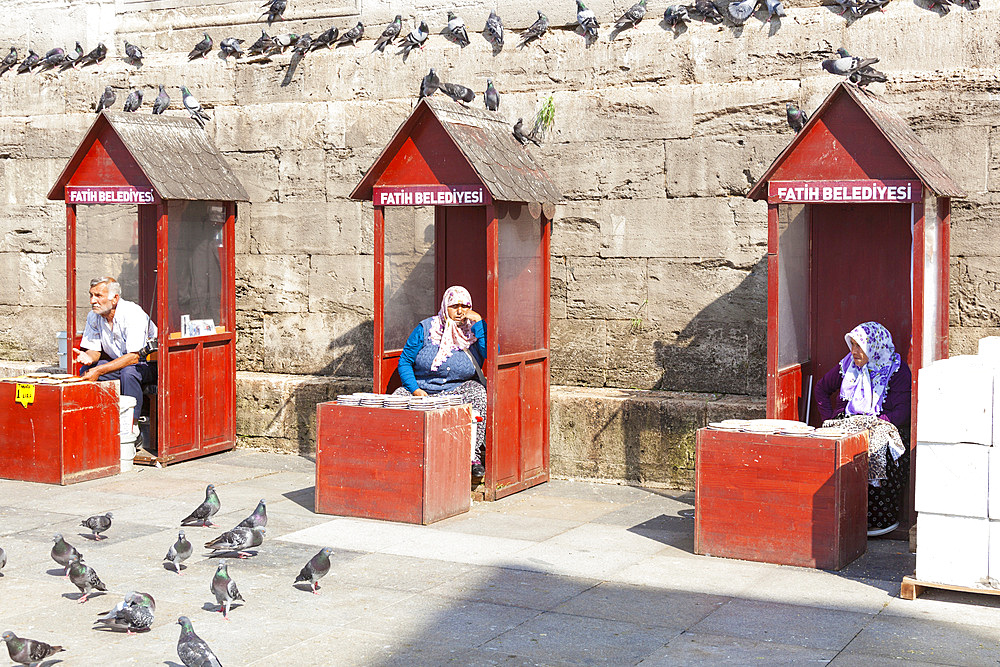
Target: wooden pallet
911, 588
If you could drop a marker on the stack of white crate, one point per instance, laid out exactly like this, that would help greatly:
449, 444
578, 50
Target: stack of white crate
957, 482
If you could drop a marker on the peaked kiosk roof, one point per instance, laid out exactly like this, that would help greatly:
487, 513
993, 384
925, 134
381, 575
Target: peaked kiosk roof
855, 135
172, 155
446, 143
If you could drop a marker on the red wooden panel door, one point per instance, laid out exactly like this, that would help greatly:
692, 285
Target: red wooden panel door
218, 425
180, 392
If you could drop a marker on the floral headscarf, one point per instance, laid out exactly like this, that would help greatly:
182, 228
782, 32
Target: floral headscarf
445, 332
864, 388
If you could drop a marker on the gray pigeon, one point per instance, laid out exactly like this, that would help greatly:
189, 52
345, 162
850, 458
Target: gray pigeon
586, 19
353, 35
28, 651
258, 518
494, 30
161, 103
224, 589
193, 107
852, 6
741, 10
275, 9
29, 62
631, 18
238, 539
302, 46
847, 65
96, 55
192, 649
72, 58
51, 59
3, 558
85, 578
10, 60
133, 101
458, 92
796, 117
100, 523
390, 33
133, 54
179, 551
429, 84
230, 46
945, 5
676, 15
521, 137
63, 552
415, 39
281, 42
708, 11
202, 48
207, 509
456, 28
326, 38
775, 8
865, 76
263, 43
105, 102
317, 568
491, 97
537, 29
133, 614
870, 6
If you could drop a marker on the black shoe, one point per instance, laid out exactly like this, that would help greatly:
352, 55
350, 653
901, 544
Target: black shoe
478, 470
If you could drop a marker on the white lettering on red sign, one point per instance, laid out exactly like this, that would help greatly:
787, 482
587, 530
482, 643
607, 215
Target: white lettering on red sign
845, 191
430, 196
85, 194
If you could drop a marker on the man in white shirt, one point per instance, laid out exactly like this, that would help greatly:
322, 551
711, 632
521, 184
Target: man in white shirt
116, 331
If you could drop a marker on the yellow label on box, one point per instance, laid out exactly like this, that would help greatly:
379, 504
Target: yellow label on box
25, 393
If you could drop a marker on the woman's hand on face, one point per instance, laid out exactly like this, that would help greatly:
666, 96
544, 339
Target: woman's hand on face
473, 316
420, 392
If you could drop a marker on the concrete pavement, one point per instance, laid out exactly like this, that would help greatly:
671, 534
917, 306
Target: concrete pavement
567, 573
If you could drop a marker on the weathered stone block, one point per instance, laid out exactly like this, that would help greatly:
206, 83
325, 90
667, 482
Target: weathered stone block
10, 268
33, 228
259, 127
684, 296
579, 351
341, 282
975, 227
302, 175
27, 181
713, 166
29, 334
741, 108
964, 152
318, 343
258, 172
640, 112
576, 231
273, 283
616, 170
304, 227
976, 281
557, 288
42, 279
249, 340
587, 294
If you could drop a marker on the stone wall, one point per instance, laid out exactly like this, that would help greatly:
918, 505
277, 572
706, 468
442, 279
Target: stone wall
658, 275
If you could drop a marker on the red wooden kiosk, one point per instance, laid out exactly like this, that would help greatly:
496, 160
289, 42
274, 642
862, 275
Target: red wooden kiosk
485, 224
858, 228
152, 202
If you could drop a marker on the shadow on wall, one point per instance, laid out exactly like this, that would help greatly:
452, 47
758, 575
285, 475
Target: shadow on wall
724, 347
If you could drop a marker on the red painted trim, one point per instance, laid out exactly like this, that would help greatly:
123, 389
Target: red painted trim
545, 276
772, 229
70, 287
379, 382
916, 343
944, 275
163, 333
493, 336
230, 305
772, 311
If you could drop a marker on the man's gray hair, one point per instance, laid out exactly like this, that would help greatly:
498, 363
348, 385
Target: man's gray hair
114, 287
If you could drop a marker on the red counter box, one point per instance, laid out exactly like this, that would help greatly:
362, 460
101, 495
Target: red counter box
68, 434
783, 499
399, 465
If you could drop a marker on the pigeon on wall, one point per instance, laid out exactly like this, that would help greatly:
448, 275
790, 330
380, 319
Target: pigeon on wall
30, 61
275, 9
707, 10
587, 21
494, 30
230, 46
352, 36
263, 43
202, 48
9, 61
796, 117
521, 137
491, 98
429, 84
388, 35
193, 107
741, 10
52, 58
96, 55
631, 17
133, 101
536, 29
676, 16
775, 8
106, 100
72, 58
415, 39
133, 54
458, 92
160, 105
456, 28
326, 38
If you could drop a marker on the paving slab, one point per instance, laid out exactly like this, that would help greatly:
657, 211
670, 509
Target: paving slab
692, 648
642, 605
937, 641
519, 588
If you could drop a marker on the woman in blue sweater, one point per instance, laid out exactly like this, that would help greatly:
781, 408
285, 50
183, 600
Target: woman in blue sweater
442, 356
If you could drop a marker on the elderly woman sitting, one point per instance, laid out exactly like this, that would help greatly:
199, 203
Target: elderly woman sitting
870, 390
444, 355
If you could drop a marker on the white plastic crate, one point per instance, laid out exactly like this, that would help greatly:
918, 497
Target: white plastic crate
955, 401
953, 549
952, 478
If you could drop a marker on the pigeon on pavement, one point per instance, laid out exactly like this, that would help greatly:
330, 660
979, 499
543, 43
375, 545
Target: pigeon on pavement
106, 100
160, 105
133, 101
390, 33
491, 97
206, 510
133, 614
796, 117
192, 649
63, 552
494, 30
317, 568
238, 539
258, 519
100, 523
28, 651
631, 18
202, 48
536, 29
224, 589
456, 28
85, 578
179, 551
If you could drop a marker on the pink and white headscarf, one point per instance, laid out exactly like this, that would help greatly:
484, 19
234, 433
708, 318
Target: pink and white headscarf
864, 388
448, 334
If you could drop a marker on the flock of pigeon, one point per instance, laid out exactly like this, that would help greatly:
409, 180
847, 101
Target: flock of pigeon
858, 71
135, 612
